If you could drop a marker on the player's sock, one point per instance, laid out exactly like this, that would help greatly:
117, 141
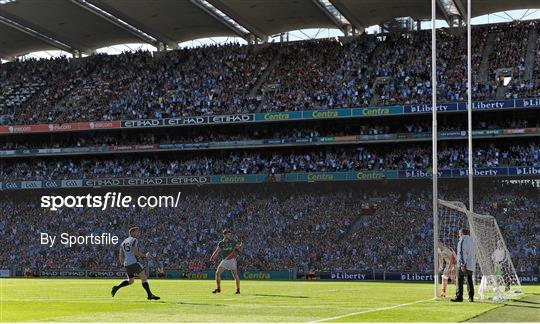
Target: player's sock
116, 288
147, 288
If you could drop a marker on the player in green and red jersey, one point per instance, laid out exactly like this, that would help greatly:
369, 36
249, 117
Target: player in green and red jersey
229, 249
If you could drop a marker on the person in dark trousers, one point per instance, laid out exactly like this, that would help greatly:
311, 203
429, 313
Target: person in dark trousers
466, 255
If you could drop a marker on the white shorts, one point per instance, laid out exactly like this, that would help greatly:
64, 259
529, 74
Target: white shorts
449, 271
228, 264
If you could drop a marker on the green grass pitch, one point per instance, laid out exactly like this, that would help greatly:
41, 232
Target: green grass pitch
89, 300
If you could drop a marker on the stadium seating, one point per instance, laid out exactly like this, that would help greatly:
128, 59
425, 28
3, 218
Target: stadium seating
354, 158
316, 230
328, 73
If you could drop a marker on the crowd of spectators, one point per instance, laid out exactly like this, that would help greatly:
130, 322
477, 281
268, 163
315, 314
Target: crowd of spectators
342, 158
527, 87
321, 74
316, 74
285, 228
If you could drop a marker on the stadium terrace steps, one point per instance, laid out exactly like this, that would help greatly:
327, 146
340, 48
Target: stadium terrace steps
262, 80
501, 92
484, 66
374, 55
530, 58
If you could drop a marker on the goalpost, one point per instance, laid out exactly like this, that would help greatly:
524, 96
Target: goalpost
499, 278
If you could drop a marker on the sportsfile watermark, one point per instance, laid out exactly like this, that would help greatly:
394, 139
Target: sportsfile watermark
109, 200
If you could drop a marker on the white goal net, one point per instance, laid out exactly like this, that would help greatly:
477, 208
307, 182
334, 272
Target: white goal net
499, 280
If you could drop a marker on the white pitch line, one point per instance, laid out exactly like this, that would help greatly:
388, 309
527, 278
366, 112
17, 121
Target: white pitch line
371, 310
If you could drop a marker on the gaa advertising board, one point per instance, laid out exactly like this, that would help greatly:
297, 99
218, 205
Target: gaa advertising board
338, 113
310, 177
354, 275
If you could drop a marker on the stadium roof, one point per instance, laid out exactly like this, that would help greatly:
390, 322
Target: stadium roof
85, 25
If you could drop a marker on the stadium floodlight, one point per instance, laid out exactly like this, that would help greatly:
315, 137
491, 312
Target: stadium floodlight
499, 278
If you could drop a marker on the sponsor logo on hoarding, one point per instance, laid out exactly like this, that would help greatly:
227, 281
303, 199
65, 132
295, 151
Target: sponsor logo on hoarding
324, 114
479, 172
141, 123
256, 275
416, 277
20, 129
345, 138
188, 180
190, 275
451, 133
276, 116
375, 111
106, 274
533, 278
51, 184
121, 147
63, 273
231, 118
102, 182
535, 102
30, 184
276, 141
11, 185
103, 124
196, 120
418, 174
370, 175
481, 105
528, 170
72, 183
347, 276
61, 127
427, 108
144, 181
320, 177
521, 131
232, 179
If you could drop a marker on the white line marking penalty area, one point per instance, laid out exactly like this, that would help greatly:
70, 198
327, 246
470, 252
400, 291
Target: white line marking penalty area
372, 310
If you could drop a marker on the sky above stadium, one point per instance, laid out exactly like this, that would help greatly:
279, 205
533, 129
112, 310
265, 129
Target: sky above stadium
297, 35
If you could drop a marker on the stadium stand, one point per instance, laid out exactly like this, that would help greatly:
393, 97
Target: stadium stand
381, 225
317, 228
410, 157
349, 72
210, 135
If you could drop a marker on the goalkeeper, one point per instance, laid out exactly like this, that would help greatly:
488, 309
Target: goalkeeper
447, 265
499, 258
